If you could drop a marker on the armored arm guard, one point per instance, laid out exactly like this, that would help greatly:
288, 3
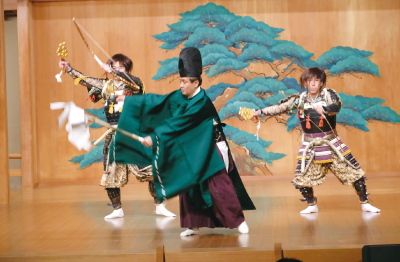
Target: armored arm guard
334, 104
131, 82
285, 105
93, 85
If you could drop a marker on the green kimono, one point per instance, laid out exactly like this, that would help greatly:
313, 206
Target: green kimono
184, 153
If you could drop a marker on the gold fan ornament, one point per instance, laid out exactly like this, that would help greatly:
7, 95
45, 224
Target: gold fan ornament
246, 113
62, 53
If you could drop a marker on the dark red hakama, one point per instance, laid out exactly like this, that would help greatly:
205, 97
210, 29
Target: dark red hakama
225, 211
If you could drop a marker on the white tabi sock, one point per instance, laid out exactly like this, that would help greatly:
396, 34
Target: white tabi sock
310, 209
368, 208
116, 213
190, 231
161, 210
243, 228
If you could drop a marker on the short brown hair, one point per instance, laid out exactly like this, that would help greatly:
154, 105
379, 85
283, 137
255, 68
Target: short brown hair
126, 61
310, 73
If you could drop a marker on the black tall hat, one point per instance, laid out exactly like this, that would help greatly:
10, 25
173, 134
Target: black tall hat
190, 64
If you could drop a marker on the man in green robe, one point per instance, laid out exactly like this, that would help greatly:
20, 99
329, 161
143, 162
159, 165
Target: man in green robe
185, 144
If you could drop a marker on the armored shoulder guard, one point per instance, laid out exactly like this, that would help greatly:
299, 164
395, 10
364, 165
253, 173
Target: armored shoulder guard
334, 103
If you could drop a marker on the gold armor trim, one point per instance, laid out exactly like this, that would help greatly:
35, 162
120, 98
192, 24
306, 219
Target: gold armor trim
77, 80
324, 161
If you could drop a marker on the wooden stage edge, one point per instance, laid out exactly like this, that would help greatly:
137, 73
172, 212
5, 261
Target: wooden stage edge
209, 255
63, 223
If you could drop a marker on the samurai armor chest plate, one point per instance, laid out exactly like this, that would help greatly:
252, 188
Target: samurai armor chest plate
313, 123
111, 111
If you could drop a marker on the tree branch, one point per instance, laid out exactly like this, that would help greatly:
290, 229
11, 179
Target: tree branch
282, 75
283, 62
173, 78
247, 74
256, 74
242, 73
274, 67
356, 76
333, 75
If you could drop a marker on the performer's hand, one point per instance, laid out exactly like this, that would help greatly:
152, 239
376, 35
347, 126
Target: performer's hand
147, 141
64, 65
318, 108
257, 113
120, 98
106, 68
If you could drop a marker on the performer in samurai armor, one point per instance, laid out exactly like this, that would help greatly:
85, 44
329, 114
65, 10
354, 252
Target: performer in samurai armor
123, 84
188, 151
322, 149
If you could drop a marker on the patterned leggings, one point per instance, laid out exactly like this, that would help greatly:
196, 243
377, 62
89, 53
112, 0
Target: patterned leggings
114, 194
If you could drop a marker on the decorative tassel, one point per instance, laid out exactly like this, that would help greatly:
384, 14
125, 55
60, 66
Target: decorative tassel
258, 129
321, 121
308, 125
92, 97
111, 109
298, 113
58, 76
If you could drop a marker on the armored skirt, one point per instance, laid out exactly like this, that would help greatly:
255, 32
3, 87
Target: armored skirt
321, 152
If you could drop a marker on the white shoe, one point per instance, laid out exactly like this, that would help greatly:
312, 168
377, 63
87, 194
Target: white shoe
161, 210
243, 228
190, 232
310, 209
368, 208
115, 214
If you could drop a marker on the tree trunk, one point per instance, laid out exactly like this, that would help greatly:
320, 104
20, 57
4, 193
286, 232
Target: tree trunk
246, 165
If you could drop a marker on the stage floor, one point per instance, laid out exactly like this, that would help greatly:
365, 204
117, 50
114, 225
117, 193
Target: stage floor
69, 220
